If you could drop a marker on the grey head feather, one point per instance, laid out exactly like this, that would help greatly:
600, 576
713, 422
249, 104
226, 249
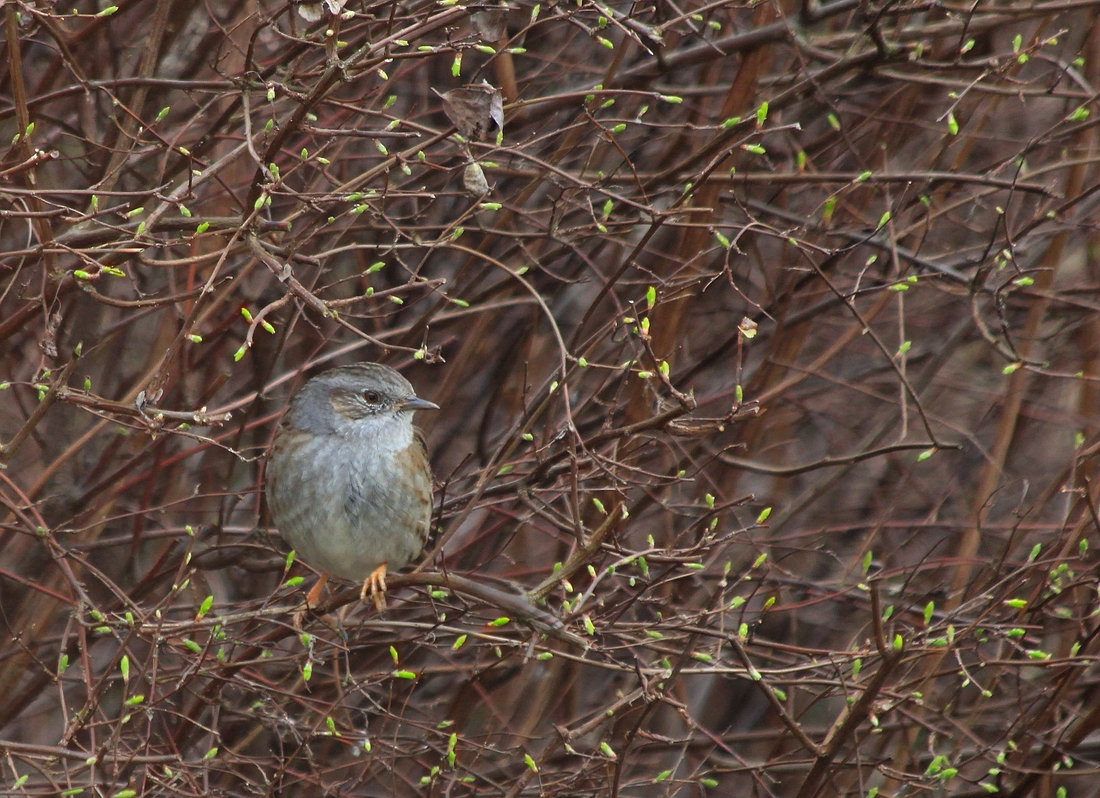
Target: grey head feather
315, 406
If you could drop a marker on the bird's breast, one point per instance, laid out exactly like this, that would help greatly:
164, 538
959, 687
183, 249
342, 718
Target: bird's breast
350, 502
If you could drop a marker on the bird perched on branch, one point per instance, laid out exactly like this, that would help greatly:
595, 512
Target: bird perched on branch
348, 479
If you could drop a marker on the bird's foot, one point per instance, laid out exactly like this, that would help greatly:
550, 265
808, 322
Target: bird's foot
375, 584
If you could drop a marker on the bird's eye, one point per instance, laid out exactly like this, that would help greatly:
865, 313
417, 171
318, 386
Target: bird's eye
372, 397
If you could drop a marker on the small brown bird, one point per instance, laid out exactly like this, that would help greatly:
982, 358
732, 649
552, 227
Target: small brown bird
348, 479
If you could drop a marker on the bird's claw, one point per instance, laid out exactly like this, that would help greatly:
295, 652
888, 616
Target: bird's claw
375, 584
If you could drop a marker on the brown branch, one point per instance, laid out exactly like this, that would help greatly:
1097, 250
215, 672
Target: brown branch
53, 393
826, 462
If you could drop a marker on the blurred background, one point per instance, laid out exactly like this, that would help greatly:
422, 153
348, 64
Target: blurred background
766, 337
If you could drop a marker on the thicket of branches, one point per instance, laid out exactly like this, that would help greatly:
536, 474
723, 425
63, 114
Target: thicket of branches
767, 341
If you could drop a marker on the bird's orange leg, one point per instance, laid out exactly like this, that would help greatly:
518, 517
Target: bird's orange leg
375, 584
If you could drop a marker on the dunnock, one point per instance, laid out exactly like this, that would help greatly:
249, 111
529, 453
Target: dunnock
348, 480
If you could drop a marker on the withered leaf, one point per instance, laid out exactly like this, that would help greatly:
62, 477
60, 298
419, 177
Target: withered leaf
474, 110
53, 324
490, 22
313, 11
473, 180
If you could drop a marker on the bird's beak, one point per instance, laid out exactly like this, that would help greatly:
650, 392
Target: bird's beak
416, 403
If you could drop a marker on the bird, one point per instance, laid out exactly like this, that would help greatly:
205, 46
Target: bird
349, 484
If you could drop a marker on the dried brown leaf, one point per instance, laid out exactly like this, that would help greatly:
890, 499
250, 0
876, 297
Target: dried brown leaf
474, 110
490, 23
473, 180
